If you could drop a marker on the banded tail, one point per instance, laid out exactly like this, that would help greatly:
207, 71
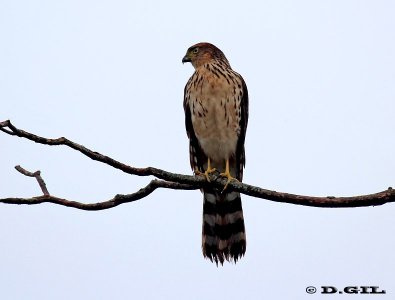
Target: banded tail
223, 226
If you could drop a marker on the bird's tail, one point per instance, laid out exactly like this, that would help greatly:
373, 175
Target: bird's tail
223, 226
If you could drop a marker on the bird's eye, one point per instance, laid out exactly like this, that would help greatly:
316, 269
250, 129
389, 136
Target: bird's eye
196, 50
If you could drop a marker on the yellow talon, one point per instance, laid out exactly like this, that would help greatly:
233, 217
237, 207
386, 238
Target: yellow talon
207, 172
227, 175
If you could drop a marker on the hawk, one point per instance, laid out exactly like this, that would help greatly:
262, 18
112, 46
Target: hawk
216, 116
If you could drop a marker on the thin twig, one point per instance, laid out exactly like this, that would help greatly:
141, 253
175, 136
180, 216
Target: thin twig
36, 175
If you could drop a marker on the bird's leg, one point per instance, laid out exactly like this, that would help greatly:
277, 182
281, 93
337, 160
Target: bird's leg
207, 172
227, 175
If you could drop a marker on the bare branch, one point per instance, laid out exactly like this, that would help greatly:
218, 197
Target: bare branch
117, 200
161, 174
179, 182
38, 177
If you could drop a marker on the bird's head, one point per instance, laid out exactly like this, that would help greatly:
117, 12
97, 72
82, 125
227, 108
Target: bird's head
203, 53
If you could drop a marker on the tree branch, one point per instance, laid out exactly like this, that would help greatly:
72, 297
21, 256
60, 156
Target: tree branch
117, 200
174, 181
161, 174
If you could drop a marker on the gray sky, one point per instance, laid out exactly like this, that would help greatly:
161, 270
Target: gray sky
108, 74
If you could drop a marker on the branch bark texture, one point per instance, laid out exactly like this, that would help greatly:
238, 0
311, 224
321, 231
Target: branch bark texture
169, 180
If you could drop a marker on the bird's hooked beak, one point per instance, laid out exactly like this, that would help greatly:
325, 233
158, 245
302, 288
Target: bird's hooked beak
186, 58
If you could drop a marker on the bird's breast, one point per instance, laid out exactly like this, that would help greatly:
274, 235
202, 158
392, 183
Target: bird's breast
215, 116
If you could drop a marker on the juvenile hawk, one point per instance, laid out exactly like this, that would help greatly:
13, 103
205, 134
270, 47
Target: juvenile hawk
216, 115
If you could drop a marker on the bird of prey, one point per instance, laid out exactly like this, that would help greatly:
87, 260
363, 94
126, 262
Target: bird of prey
216, 116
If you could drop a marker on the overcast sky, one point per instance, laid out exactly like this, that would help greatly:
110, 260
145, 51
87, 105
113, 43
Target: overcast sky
108, 75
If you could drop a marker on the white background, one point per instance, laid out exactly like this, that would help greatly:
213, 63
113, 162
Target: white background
108, 74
